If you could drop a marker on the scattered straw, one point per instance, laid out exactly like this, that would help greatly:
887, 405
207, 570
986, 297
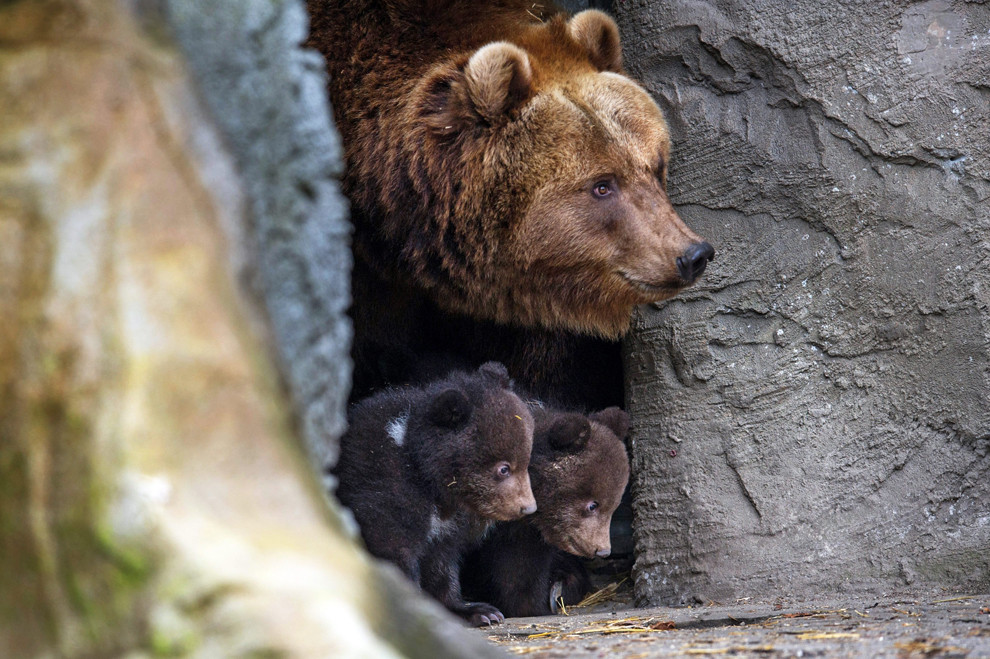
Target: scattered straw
606, 594
637, 625
921, 646
905, 612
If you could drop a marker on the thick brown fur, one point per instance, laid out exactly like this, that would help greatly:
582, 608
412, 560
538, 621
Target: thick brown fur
477, 136
577, 461
426, 469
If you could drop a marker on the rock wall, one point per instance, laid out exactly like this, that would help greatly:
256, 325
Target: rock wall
814, 416
169, 223
268, 97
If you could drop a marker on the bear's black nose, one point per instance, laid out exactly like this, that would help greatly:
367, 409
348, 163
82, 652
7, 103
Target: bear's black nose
692, 263
603, 553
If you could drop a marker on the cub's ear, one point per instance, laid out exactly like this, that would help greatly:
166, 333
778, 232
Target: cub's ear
568, 432
598, 34
614, 419
496, 373
449, 409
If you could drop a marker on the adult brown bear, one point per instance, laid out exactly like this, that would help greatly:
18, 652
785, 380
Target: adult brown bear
507, 184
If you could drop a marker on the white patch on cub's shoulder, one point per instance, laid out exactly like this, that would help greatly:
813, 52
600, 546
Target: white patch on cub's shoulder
396, 428
440, 528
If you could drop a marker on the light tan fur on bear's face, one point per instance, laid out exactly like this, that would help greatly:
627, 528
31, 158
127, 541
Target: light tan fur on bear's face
477, 135
570, 127
590, 259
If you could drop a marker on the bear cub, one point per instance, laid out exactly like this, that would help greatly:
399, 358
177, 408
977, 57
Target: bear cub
425, 469
578, 470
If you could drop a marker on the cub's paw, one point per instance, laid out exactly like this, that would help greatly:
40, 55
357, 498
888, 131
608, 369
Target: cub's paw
480, 614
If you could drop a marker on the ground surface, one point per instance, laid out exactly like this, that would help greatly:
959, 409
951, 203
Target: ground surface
952, 626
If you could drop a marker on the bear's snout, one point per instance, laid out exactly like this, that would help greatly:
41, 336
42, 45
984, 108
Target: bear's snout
603, 553
693, 261
527, 502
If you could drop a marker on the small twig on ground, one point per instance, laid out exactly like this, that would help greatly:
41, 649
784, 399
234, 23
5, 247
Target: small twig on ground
955, 599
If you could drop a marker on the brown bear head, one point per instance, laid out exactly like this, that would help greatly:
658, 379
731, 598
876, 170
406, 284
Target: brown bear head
554, 210
579, 471
485, 435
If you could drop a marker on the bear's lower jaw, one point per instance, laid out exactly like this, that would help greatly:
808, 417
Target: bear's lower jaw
489, 511
604, 323
655, 292
571, 547
603, 313
584, 314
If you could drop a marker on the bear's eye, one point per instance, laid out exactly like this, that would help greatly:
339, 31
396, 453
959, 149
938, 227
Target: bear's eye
503, 470
591, 507
602, 189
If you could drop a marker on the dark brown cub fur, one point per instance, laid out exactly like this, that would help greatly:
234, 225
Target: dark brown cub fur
579, 470
424, 469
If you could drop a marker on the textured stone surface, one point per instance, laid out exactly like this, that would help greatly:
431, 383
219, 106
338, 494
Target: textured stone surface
153, 499
269, 97
815, 415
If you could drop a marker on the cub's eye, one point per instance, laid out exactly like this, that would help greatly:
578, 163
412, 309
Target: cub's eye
591, 507
503, 470
602, 189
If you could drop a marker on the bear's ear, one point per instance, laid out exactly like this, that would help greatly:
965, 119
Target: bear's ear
496, 373
598, 34
614, 419
569, 432
444, 104
499, 79
449, 409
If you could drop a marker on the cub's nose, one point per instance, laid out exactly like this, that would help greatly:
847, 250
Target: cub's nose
528, 510
603, 553
692, 262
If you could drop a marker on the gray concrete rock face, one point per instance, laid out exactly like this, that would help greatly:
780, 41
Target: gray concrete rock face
269, 97
814, 415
